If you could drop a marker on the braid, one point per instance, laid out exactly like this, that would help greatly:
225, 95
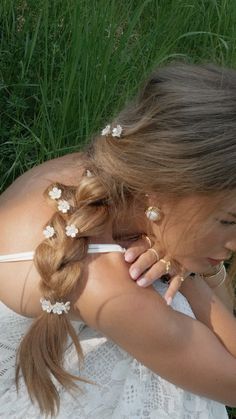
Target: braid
59, 261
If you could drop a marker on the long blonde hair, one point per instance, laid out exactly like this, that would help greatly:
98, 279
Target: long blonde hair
179, 138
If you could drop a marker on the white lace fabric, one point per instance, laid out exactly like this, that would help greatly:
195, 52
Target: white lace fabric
125, 388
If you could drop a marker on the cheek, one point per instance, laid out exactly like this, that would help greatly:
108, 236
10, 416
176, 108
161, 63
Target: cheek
207, 245
192, 242
178, 241
184, 240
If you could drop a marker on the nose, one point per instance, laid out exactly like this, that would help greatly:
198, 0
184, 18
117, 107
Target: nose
231, 245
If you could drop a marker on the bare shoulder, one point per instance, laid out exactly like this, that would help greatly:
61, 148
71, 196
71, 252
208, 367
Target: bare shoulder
110, 297
65, 168
23, 209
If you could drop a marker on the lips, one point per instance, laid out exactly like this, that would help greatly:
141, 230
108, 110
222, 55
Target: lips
222, 259
214, 261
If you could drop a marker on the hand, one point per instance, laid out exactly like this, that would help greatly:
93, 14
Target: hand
148, 265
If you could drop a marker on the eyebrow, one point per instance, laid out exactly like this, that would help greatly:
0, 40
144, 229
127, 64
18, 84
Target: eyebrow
232, 213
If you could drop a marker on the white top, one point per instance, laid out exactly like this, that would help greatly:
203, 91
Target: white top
125, 388
92, 248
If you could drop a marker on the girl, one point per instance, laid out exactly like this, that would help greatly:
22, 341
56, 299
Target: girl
161, 180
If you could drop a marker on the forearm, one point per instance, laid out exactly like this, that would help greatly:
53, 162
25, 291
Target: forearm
210, 310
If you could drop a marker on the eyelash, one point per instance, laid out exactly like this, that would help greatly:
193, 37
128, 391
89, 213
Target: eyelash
134, 238
224, 222
130, 238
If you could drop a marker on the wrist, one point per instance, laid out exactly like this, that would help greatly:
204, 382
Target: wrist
192, 285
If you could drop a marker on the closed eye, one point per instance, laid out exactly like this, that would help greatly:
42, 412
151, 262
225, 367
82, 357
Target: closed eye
127, 240
227, 222
132, 238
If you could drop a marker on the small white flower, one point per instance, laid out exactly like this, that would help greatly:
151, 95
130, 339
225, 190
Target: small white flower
55, 193
46, 305
71, 230
58, 308
49, 232
106, 130
116, 132
63, 206
88, 173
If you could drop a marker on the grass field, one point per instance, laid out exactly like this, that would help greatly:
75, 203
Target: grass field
67, 66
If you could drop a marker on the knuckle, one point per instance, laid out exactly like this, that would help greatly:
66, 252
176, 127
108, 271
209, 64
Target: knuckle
141, 258
161, 267
146, 258
149, 276
139, 264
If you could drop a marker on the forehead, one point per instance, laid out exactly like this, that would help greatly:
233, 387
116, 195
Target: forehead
227, 203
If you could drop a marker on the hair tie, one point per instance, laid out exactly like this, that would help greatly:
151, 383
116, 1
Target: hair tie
57, 308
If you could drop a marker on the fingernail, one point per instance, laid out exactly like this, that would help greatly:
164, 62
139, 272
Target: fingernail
134, 273
129, 256
141, 282
169, 300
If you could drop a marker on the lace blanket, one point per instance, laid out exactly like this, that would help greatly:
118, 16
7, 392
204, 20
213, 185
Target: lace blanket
125, 388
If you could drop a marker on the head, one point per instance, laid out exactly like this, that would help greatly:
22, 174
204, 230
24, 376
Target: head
178, 145
197, 228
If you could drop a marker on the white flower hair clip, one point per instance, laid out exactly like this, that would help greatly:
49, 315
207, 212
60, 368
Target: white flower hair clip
63, 206
88, 173
106, 131
71, 230
49, 232
57, 308
115, 132
55, 193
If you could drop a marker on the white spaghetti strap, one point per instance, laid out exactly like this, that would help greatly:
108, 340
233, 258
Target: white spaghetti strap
103, 248
17, 257
92, 248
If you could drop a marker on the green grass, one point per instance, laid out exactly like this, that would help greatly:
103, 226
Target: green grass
67, 66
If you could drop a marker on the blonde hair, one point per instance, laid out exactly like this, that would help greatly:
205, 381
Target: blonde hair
179, 138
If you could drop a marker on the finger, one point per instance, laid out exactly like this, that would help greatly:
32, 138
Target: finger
135, 250
144, 262
148, 240
156, 271
173, 288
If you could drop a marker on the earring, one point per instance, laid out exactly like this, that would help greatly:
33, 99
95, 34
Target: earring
153, 213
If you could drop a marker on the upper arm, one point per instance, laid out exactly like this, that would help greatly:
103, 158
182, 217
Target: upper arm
180, 349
